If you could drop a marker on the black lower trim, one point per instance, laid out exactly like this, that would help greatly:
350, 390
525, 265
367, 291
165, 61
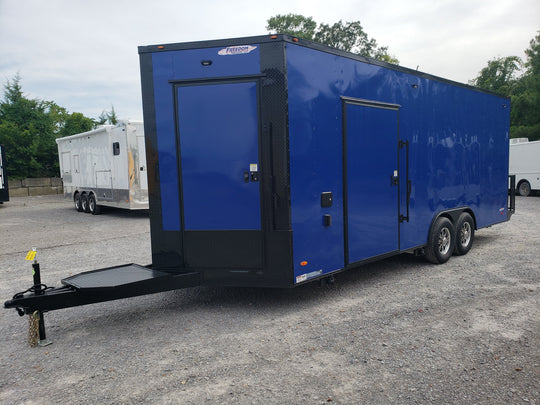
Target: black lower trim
223, 249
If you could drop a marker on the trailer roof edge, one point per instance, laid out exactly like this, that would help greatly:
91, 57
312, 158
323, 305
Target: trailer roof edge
166, 47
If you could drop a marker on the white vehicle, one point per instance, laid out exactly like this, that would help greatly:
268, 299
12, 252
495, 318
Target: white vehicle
105, 167
525, 164
4, 192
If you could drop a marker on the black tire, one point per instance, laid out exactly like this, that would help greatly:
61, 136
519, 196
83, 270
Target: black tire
93, 208
464, 234
84, 203
440, 244
524, 188
77, 201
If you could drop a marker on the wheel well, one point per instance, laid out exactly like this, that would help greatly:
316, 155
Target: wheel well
521, 182
453, 216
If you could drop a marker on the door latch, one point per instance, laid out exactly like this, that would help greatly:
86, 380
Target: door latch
395, 178
254, 172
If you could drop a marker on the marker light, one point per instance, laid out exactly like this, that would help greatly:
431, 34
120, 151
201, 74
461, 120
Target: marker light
304, 263
160, 47
273, 36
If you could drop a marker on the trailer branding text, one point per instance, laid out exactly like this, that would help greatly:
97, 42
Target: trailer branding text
237, 50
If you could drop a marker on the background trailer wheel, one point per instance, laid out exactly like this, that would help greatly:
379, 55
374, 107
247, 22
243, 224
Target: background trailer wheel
77, 201
524, 188
440, 244
464, 234
84, 203
93, 208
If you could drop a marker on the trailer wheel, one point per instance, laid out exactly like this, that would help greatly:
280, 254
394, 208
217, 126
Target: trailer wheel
464, 234
77, 200
524, 188
440, 241
93, 208
84, 203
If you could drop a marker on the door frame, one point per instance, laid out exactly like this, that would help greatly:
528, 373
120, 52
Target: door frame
373, 104
176, 85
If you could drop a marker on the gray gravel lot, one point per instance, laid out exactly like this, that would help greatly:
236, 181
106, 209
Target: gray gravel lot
398, 331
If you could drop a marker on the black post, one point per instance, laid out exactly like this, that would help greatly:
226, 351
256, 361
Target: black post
37, 278
38, 291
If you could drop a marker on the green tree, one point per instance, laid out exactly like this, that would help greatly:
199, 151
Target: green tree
28, 129
75, 123
295, 25
108, 117
348, 36
500, 76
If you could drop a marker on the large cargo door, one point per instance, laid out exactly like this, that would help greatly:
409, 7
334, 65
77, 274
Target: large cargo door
218, 127
371, 183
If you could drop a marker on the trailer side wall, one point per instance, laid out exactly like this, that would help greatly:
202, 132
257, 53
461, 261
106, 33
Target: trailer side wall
458, 155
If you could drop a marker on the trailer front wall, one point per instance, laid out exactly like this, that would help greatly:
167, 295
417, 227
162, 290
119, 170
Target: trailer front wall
458, 154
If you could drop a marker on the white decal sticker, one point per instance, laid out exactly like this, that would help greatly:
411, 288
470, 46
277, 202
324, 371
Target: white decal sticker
314, 273
236, 50
253, 167
304, 277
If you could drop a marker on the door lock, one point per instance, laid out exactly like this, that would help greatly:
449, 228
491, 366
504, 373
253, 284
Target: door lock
395, 178
254, 172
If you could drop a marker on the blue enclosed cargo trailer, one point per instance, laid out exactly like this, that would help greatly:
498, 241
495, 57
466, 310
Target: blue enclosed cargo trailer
274, 161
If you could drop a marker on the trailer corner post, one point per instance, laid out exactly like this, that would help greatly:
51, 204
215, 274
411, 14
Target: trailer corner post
36, 322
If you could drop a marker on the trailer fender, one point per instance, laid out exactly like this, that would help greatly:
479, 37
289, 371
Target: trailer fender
454, 214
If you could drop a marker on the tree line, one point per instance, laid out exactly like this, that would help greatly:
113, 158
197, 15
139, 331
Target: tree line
29, 127
520, 80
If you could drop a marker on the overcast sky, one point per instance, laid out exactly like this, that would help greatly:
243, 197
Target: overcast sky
83, 54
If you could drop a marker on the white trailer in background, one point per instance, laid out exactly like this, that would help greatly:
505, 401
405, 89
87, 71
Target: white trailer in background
525, 164
105, 167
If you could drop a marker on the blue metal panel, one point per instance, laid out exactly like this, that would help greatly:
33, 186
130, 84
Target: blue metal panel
316, 166
458, 149
372, 199
218, 129
184, 65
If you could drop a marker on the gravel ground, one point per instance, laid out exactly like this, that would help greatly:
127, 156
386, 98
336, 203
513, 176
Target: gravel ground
398, 331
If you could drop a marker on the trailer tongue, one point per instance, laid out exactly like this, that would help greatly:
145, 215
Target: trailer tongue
94, 286
101, 285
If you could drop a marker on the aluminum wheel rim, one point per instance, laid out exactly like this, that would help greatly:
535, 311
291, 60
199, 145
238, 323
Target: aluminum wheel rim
444, 241
465, 234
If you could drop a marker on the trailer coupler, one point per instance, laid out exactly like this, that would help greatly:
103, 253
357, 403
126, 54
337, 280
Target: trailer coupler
95, 286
